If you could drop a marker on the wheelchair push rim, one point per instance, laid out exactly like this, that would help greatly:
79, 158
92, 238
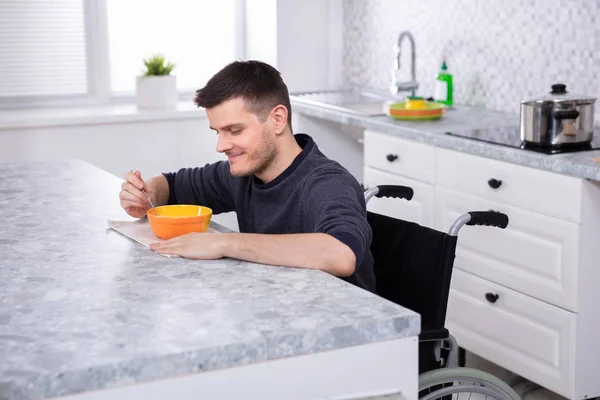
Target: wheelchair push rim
461, 383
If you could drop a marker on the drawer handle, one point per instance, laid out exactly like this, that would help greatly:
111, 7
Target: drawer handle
491, 297
392, 157
494, 183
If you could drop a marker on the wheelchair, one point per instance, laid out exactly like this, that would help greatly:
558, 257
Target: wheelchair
413, 268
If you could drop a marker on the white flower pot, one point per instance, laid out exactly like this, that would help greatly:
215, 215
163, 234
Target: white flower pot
156, 92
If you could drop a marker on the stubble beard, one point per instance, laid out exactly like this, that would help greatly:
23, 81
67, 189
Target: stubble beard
264, 156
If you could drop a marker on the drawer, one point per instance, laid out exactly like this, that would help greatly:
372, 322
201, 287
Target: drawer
399, 156
521, 334
536, 255
418, 210
535, 190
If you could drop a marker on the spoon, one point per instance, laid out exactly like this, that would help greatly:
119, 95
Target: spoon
149, 201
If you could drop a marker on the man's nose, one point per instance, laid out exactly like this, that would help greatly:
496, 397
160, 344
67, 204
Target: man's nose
223, 144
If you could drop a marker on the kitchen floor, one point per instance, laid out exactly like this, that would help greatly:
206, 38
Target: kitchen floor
527, 390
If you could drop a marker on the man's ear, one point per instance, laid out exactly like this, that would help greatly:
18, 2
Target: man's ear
280, 116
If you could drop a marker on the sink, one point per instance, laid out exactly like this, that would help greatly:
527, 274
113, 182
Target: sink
354, 101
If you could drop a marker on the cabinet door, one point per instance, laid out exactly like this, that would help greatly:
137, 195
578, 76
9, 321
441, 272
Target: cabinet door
536, 254
517, 332
400, 156
418, 210
527, 188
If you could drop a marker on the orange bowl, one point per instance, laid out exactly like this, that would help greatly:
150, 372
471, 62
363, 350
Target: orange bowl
175, 220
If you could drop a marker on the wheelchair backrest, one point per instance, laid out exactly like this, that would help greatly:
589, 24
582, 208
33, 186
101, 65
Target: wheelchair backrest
413, 266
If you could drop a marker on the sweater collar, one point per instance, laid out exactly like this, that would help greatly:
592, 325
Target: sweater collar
306, 143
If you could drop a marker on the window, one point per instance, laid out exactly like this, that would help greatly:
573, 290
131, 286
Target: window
42, 48
56, 50
197, 36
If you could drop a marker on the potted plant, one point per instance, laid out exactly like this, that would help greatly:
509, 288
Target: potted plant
157, 88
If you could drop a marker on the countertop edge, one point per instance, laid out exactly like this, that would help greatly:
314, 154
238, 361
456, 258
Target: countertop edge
144, 370
564, 164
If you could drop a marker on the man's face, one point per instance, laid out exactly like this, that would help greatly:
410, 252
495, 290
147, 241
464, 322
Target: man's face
248, 143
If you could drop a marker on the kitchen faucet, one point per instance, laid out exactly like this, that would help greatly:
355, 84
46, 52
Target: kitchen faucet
404, 86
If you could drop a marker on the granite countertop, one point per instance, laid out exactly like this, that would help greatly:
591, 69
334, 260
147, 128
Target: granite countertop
461, 118
84, 308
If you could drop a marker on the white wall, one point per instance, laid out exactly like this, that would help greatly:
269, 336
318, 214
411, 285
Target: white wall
261, 30
303, 43
303, 40
152, 147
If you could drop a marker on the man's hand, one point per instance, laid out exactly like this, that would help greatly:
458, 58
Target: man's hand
132, 199
134, 202
202, 246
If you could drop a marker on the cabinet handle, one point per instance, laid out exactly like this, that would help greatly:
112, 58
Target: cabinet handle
494, 183
491, 297
392, 157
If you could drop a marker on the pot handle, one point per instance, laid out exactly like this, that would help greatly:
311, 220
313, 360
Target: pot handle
566, 114
559, 88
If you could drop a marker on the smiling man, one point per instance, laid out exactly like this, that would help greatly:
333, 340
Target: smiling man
295, 207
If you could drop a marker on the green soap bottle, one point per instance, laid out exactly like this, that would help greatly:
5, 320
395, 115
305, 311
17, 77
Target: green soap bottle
443, 86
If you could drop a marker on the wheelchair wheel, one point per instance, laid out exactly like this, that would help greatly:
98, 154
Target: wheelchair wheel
463, 384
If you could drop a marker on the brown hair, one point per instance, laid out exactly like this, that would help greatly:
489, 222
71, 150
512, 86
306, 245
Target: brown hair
257, 83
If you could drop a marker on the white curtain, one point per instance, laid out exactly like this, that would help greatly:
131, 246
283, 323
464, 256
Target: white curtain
42, 48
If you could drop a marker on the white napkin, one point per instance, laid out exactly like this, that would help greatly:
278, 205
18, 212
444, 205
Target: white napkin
140, 231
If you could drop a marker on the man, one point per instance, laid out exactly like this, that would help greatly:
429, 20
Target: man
295, 207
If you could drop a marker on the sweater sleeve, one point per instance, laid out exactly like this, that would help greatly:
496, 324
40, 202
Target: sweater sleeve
210, 186
335, 202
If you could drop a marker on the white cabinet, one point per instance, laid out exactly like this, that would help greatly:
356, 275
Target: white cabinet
535, 254
399, 156
540, 326
534, 338
545, 267
531, 189
394, 161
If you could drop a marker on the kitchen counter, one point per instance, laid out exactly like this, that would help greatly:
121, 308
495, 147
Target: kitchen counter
83, 308
461, 118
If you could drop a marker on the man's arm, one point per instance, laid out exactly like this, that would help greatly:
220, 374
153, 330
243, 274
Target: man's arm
302, 250
336, 210
210, 186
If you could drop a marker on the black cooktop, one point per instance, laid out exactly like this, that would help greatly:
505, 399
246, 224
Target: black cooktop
510, 136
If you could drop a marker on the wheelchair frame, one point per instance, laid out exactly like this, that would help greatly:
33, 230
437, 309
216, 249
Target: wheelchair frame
451, 372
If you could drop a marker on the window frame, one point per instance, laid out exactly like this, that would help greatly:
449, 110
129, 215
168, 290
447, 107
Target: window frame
98, 66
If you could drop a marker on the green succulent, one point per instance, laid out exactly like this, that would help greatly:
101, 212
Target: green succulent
155, 65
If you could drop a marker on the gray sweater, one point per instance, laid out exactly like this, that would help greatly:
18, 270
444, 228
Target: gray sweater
314, 194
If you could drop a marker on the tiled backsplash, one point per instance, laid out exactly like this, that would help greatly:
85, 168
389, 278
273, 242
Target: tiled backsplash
499, 51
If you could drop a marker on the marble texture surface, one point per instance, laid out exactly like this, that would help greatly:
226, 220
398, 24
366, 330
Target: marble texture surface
577, 164
84, 308
499, 51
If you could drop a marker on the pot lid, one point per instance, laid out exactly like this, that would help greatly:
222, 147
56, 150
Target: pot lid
559, 94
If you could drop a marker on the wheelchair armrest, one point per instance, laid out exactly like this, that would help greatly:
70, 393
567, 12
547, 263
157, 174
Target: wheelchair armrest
487, 218
394, 191
434, 335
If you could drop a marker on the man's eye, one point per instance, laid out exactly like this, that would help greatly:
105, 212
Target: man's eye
235, 132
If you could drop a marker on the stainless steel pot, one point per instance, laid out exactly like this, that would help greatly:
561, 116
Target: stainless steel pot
559, 119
